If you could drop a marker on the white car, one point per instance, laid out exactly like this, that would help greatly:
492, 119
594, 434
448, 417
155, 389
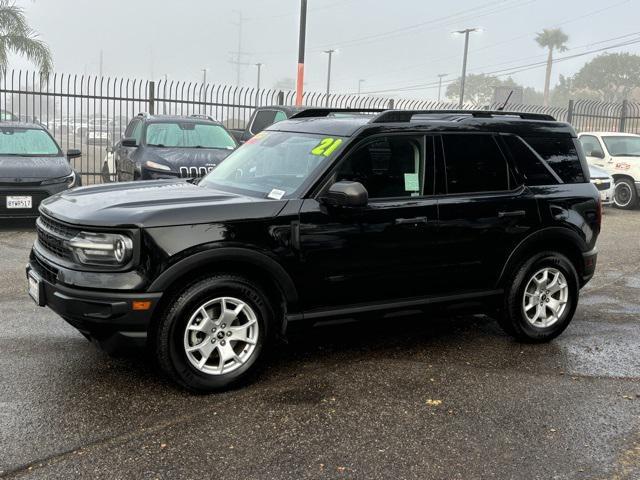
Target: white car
619, 155
603, 182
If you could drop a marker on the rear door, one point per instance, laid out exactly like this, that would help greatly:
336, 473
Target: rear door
484, 211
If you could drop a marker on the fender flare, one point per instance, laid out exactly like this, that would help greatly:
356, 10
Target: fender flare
545, 235
228, 254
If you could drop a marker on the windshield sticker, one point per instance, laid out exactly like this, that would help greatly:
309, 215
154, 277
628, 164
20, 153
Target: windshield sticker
411, 182
327, 146
276, 194
256, 137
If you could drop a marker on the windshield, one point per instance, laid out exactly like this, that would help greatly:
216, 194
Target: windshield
27, 142
621, 146
189, 135
273, 164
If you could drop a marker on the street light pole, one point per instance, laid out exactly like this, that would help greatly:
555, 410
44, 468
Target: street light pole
301, 47
259, 65
204, 76
360, 82
330, 53
463, 79
440, 77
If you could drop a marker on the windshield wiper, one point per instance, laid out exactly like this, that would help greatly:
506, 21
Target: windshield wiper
155, 145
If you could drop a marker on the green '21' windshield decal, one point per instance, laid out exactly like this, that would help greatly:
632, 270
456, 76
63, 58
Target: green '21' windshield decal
327, 146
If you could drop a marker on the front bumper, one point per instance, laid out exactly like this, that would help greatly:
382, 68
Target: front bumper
106, 318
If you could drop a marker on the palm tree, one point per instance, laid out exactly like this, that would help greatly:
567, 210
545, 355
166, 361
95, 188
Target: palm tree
552, 39
17, 37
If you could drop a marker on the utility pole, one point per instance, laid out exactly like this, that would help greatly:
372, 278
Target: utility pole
101, 64
440, 77
360, 82
240, 54
301, 47
330, 53
463, 78
204, 76
259, 66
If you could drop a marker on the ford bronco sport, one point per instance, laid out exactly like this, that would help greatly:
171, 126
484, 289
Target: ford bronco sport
321, 218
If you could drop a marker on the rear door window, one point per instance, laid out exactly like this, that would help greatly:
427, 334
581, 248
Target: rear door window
561, 155
474, 163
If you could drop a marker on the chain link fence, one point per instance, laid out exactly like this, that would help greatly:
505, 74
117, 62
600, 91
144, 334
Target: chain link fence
90, 113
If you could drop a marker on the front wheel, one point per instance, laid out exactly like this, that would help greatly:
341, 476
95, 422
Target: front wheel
214, 333
625, 195
541, 298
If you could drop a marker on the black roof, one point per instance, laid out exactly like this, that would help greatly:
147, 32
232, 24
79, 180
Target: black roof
352, 121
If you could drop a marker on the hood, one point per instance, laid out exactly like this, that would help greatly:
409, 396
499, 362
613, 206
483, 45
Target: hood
597, 172
155, 204
186, 157
32, 169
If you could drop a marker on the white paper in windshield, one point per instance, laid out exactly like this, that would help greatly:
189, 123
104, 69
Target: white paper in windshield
276, 194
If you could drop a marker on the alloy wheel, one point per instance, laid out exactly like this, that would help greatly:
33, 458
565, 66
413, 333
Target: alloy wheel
221, 335
545, 298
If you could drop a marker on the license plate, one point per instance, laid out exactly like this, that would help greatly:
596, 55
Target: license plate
24, 201
34, 287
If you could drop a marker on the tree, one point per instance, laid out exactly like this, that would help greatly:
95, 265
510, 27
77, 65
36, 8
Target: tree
479, 90
551, 39
17, 37
611, 77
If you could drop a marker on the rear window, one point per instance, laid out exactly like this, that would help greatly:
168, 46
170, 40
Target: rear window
534, 171
474, 163
561, 155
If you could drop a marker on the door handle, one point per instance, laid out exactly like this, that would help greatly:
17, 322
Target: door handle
514, 213
411, 221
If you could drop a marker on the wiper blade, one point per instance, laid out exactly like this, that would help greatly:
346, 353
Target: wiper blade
155, 145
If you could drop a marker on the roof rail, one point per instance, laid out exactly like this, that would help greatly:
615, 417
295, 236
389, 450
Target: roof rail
325, 112
399, 116
206, 117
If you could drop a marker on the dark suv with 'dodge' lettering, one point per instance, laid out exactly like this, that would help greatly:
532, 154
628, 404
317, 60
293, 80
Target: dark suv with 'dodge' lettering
320, 218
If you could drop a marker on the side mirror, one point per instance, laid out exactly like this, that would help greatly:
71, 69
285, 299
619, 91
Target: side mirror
129, 142
596, 154
73, 153
346, 194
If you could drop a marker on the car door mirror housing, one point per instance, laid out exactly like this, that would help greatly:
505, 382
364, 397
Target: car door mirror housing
73, 153
346, 194
129, 142
596, 154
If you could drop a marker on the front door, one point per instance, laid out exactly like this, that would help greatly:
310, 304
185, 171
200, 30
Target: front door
380, 253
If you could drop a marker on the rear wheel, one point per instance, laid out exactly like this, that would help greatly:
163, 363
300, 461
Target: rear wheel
214, 333
541, 298
625, 195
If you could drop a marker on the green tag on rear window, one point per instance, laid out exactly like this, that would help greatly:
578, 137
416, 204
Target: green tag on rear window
411, 182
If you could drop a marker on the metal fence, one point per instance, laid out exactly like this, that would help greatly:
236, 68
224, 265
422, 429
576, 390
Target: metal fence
91, 113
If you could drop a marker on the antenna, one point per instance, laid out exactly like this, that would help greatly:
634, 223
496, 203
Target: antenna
506, 101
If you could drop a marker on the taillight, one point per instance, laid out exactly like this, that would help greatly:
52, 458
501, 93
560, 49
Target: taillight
599, 213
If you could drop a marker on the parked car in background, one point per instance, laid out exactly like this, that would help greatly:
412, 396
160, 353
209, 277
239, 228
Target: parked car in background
327, 219
262, 118
619, 155
158, 146
6, 116
32, 168
604, 183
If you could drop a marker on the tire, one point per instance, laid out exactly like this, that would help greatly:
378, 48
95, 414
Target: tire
184, 327
625, 195
526, 304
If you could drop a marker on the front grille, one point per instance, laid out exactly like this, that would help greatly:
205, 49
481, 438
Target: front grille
53, 235
49, 273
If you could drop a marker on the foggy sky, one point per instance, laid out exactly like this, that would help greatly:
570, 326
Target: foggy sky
153, 38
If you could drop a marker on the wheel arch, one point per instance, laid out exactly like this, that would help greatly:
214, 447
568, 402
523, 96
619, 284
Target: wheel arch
253, 265
557, 239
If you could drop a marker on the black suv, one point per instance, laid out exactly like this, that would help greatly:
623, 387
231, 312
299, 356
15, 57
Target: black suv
163, 146
325, 218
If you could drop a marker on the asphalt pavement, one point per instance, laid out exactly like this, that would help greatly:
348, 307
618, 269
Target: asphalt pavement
413, 397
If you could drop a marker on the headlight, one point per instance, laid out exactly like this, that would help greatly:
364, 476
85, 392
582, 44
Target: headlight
103, 249
69, 179
157, 166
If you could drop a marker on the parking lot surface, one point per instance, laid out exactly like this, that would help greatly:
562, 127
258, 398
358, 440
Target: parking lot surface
413, 397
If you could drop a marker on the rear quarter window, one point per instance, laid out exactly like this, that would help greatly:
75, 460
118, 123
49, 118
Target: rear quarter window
561, 155
533, 169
